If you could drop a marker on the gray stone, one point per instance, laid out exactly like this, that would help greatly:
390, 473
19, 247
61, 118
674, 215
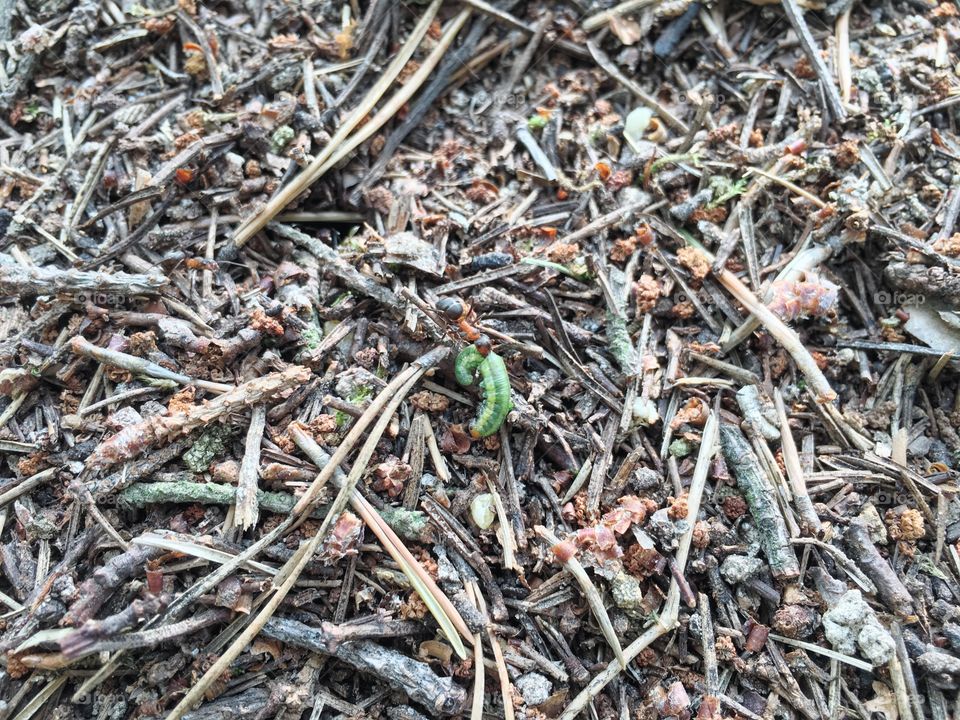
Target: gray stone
666, 530
851, 624
627, 593
942, 669
875, 527
534, 688
737, 568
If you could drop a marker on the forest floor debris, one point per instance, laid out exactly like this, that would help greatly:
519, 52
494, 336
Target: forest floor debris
480, 359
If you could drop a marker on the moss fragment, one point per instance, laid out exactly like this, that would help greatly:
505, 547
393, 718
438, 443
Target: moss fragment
208, 446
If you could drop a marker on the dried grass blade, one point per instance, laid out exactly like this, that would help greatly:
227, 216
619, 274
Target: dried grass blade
401, 97
791, 461
785, 335
479, 676
792, 187
499, 661
508, 541
592, 596
37, 701
198, 551
708, 442
439, 605
436, 601
310, 175
821, 650
597, 21
374, 410
844, 72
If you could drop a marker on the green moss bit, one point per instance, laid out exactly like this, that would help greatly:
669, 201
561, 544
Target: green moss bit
536, 122
680, 448
620, 344
281, 138
207, 447
408, 524
311, 336
361, 393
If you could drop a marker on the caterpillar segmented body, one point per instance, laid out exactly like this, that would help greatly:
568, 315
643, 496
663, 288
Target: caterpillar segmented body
494, 386
465, 367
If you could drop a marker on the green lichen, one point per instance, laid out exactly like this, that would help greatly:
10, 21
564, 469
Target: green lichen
145, 494
680, 448
281, 137
39, 526
620, 344
628, 594
206, 448
408, 524
311, 336
725, 189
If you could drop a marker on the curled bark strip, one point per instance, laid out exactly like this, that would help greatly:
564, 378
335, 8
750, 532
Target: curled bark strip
758, 491
95, 591
416, 679
133, 440
889, 587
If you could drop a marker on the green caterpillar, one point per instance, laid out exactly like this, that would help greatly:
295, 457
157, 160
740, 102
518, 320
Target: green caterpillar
465, 367
494, 385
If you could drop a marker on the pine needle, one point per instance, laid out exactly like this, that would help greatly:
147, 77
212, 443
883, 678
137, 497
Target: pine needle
592, 596
318, 165
439, 605
479, 675
667, 619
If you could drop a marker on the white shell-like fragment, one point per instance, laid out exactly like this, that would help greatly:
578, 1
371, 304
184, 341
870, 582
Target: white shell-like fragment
483, 511
636, 125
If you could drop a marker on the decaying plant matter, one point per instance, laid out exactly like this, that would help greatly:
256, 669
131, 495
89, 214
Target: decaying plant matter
480, 359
